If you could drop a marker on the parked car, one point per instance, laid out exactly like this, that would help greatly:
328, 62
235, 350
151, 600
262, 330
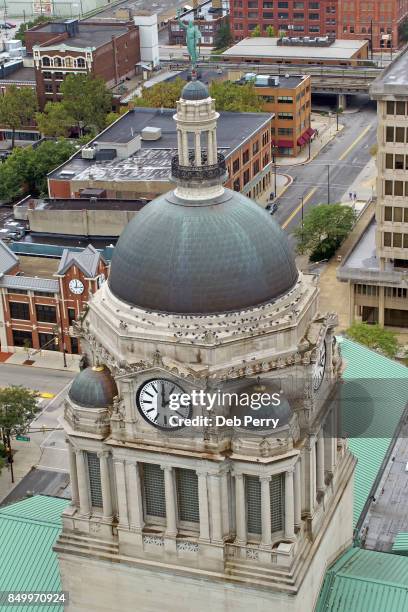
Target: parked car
5, 25
272, 207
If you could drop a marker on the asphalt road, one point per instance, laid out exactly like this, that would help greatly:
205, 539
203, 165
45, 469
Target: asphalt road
38, 379
343, 159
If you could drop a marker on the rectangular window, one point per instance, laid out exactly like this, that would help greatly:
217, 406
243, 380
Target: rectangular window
388, 213
397, 240
74, 346
246, 177
285, 100
388, 188
277, 493
255, 168
22, 338
298, 5
44, 294
387, 239
95, 486
314, 16
48, 88
400, 108
237, 185
154, 495
298, 15
405, 215
235, 165
398, 188
253, 504
255, 147
283, 5
47, 342
389, 134
399, 134
399, 162
390, 108
187, 495
285, 116
267, 5
245, 156
389, 161
398, 214
19, 310
18, 291
405, 245
71, 315
47, 314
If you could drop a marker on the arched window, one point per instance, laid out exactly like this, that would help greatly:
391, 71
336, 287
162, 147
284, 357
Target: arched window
81, 62
363, 30
46, 61
69, 62
57, 61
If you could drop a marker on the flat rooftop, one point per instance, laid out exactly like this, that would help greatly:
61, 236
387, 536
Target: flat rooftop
285, 82
38, 266
139, 6
268, 47
85, 204
89, 34
21, 75
206, 12
153, 160
393, 80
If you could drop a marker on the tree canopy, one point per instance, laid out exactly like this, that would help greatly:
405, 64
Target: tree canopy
87, 100
375, 337
55, 120
17, 108
223, 37
270, 31
256, 32
230, 96
18, 407
25, 170
164, 94
324, 228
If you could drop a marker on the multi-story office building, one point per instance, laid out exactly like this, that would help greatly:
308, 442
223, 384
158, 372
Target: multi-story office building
377, 268
372, 20
304, 18
209, 17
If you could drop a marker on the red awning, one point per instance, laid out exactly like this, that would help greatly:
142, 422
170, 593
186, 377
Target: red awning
306, 137
310, 131
285, 143
301, 141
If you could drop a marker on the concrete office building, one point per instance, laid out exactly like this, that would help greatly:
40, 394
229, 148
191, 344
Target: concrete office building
377, 268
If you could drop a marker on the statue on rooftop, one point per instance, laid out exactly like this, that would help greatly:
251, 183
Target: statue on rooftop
193, 37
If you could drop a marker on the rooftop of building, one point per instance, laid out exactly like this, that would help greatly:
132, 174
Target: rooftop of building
20, 75
269, 47
87, 33
205, 12
138, 6
363, 580
288, 81
98, 203
393, 80
153, 160
38, 266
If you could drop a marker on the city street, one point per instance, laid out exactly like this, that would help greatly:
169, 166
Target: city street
342, 159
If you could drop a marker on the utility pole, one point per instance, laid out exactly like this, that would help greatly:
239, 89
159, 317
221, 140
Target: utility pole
274, 171
337, 119
371, 30
301, 201
309, 142
328, 184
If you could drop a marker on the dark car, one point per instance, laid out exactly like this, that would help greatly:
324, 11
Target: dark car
6, 26
272, 207
10, 25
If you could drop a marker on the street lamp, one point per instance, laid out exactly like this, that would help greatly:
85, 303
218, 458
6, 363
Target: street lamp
57, 342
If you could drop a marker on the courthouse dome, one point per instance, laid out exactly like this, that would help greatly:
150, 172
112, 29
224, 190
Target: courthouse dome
94, 387
202, 257
194, 90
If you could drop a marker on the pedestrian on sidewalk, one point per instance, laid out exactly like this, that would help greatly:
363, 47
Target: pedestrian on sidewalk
354, 196
350, 196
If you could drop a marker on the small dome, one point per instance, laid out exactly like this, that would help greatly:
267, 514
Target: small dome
195, 90
281, 411
94, 387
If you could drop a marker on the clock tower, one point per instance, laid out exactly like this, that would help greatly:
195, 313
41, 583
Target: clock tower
205, 468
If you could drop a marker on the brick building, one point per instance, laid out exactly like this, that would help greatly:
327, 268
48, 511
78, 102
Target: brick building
109, 50
288, 98
305, 18
131, 159
373, 20
40, 298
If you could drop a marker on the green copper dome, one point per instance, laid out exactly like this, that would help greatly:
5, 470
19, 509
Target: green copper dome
94, 387
211, 256
195, 90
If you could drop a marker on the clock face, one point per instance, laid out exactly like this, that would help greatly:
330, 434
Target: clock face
76, 286
319, 367
153, 403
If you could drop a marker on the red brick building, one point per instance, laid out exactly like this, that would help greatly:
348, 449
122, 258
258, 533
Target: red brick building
356, 20
38, 311
110, 50
304, 18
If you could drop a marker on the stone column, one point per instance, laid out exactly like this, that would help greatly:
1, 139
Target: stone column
170, 493
289, 506
121, 493
381, 306
180, 147
241, 526
225, 503
184, 137
216, 508
83, 480
73, 475
320, 463
310, 472
266, 539
210, 146
135, 497
297, 495
214, 139
106, 486
203, 506
197, 140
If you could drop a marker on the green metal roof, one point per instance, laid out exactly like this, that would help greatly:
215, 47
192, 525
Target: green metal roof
365, 581
400, 545
28, 530
384, 382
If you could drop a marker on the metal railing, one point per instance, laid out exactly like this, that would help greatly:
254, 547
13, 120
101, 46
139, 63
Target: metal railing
198, 173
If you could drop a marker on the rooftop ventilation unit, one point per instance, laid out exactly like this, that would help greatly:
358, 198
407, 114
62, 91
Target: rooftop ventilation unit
151, 133
88, 153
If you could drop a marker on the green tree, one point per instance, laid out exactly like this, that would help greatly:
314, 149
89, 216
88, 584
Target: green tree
17, 108
25, 170
230, 96
281, 33
223, 37
18, 407
55, 120
270, 31
112, 117
87, 100
163, 94
20, 34
375, 337
256, 32
324, 229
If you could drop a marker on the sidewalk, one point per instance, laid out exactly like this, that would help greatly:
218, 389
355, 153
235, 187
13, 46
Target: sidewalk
282, 183
327, 130
53, 360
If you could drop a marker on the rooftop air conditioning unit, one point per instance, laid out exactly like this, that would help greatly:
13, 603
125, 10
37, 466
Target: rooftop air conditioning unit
274, 80
151, 133
88, 153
